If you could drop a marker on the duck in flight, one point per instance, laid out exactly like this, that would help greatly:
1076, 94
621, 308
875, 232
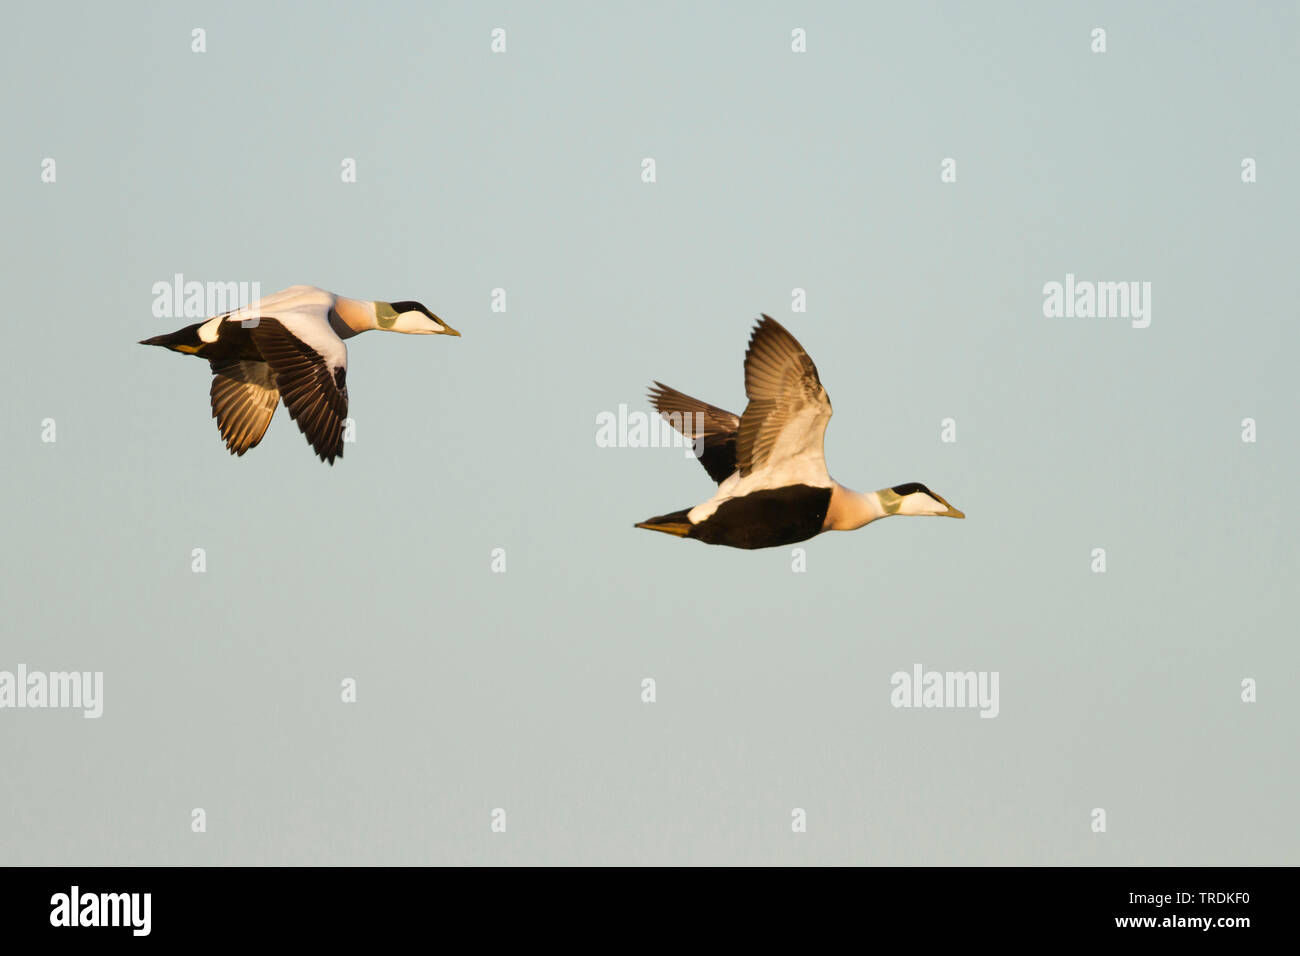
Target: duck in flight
773, 487
289, 347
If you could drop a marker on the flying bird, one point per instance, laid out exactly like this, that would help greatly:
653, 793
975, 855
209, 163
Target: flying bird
773, 486
289, 347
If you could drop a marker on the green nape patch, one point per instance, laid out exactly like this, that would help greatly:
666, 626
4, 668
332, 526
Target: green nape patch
385, 315
890, 501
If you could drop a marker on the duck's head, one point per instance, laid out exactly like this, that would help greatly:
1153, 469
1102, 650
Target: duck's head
916, 499
411, 318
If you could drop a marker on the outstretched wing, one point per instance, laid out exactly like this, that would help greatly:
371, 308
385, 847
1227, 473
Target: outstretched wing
310, 369
244, 397
784, 425
714, 428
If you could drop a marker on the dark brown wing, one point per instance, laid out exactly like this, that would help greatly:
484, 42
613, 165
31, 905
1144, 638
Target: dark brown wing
315, 392
714, 428
244, 397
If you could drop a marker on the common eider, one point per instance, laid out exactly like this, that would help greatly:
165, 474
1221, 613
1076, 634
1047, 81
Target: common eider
289, 346
773, 486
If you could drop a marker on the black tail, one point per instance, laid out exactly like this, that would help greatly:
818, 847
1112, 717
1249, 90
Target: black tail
186, 340
676, 523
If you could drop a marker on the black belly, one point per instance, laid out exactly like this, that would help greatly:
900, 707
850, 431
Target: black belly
232, 344
767, 519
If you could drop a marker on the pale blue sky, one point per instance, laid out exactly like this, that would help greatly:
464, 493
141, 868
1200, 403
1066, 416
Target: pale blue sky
775, 171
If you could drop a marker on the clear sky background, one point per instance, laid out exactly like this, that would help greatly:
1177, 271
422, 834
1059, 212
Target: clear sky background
775, 170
